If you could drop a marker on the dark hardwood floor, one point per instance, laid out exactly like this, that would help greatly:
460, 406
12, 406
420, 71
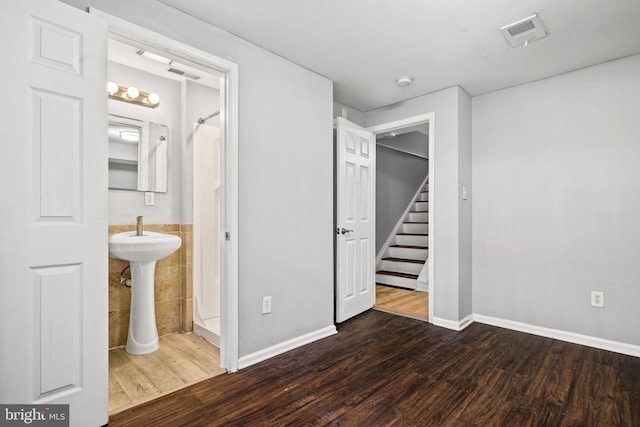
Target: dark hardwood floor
382, 370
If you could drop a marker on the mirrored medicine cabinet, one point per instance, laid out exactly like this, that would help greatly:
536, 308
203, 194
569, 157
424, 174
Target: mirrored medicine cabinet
137, 155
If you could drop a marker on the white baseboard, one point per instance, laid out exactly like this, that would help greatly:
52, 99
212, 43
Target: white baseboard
259, 356
452, 324
422, 286
618, 347
423, 278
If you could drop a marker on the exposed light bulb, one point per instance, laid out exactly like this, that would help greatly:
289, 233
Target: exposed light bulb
153, 98
112, 88
133, 92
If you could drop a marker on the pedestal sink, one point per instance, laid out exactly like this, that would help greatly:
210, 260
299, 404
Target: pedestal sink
142, 252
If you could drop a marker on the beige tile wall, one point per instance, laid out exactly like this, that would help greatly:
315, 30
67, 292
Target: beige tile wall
186, 277
173, 285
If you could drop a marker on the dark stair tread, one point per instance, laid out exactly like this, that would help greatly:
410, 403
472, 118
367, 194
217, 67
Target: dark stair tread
412, 234
396, 274
418, 211
413, 261
409, 246
415, 222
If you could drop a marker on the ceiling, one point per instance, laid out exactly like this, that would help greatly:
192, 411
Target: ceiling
364, 45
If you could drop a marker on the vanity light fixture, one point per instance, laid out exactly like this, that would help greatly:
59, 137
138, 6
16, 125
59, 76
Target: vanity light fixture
133, 95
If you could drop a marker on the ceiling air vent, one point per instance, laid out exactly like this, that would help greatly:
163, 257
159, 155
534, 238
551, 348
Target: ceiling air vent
525, 31
183, 73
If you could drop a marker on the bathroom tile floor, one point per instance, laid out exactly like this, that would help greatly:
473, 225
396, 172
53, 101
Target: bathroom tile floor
403, 302
181, 360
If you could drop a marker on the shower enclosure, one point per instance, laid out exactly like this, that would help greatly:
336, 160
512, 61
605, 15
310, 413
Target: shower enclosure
207, 232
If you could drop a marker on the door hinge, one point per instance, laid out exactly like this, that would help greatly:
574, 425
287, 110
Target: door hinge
227, 235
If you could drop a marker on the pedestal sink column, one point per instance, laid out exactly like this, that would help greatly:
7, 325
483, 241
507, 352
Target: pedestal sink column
143, 333
142, 252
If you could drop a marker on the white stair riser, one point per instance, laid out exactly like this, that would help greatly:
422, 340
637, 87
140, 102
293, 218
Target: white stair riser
423, 197
402, 282
418, 216
412, 240
415, 228
421, 206
409, 253
401, 267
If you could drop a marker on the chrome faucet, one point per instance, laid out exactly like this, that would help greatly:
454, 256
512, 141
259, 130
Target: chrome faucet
139, 231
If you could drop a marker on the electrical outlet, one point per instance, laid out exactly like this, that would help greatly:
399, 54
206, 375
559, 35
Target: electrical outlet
597, 299
266, 305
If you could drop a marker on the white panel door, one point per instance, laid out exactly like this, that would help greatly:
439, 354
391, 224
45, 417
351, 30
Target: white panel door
356, 153
53, 223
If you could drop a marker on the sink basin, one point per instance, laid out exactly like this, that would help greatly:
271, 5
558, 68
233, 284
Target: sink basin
149, 247
142, 252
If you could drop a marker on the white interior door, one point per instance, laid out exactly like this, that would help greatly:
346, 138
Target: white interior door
53, 223
356, 154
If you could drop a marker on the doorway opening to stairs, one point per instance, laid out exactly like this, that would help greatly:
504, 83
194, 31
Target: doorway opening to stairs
403, 258
359, 230
404, 217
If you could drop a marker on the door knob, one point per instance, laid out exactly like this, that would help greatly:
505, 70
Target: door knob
345, 231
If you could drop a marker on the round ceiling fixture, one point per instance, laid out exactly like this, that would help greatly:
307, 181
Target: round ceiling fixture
404, 81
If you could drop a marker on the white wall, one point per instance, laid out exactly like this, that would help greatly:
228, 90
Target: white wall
415, 143
465, 297
286, 200
125, 205
353, 116
285, 188
451, 151
556, 201
200, 101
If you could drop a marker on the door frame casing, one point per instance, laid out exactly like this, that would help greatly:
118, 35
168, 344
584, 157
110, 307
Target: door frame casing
124, 30
411, 121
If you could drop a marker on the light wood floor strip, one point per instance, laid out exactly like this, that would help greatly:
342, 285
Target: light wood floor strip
153, 367
197, 350
403, 302
181, 360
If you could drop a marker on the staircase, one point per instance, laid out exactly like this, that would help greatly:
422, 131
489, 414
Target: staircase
406, 254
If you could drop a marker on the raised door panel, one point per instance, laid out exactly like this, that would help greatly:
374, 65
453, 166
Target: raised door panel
57, 329
56, 168
356, 212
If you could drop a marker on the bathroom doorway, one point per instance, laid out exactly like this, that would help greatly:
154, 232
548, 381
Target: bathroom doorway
197, 97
